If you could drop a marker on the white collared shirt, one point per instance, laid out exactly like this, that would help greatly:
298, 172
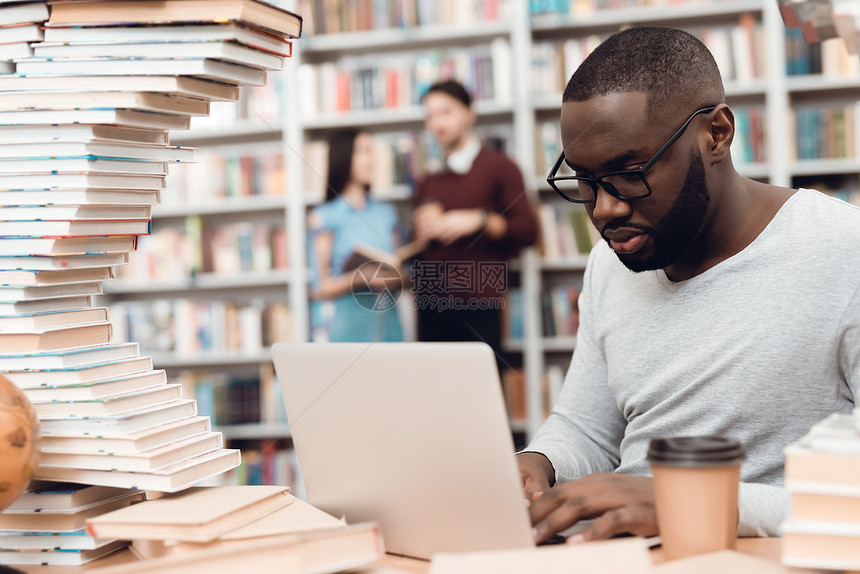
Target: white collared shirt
461, 160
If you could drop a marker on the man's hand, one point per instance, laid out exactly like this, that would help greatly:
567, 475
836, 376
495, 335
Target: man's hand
620, 503
536, 472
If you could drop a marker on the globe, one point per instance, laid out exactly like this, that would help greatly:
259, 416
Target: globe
19, 442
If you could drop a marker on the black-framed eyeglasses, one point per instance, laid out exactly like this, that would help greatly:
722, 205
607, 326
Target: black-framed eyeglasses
626, 184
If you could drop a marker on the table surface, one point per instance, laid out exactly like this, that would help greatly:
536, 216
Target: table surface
767, 548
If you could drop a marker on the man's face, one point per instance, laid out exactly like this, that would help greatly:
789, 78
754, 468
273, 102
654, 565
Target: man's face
611, 133
447, 119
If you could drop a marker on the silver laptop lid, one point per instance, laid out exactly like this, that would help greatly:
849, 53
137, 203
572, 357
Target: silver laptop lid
413, 436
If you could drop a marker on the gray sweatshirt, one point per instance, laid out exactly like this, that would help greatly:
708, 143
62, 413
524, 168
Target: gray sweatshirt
758, 348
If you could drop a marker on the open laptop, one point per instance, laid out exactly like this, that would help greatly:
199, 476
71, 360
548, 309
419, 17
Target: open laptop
413, 436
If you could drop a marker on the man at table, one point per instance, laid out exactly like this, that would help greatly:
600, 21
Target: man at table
717, 304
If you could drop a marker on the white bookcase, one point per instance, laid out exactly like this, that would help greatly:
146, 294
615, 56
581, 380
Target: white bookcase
776, 92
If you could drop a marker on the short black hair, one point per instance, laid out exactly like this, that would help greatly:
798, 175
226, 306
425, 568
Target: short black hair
452, 88
341, 146
671, 66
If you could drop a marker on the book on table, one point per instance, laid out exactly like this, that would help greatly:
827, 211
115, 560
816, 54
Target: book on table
60, 557
199, 514
79, 181
79, 197
47, 541
66, 519
42, 496
27, 13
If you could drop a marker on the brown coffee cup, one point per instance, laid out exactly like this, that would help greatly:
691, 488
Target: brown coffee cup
696, 493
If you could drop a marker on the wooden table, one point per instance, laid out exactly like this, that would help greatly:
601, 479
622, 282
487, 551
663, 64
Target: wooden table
766, 548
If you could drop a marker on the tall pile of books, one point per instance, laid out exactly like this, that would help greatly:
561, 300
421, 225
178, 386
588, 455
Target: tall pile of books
84, 149
822, 476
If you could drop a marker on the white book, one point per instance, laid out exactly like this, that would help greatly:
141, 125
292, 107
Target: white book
81, 165
200, 67
43, 305
69, 358
146, 439
62, 262
113, 405
135, 461
28, 33
227, 51
66, 520
95, 390
168, 479
122, 423
80, 181
26, 540
75, 100
31, 12
57, 337
34, 379
123, 118
104, 149
60, 212
50, 319
55, 276
180, 85
61, 497
85, 228
79, 197
14, 51
10, 294
117, 135
75, 557
152, 34
66, 246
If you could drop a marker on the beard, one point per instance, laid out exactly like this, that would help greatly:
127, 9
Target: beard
678, 228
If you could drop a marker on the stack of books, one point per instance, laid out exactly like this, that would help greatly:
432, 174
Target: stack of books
84, 148
20, 24
822, 475
47, 524
260, 527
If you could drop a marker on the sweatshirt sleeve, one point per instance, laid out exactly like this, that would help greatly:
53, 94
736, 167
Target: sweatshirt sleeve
762, 508
583, 433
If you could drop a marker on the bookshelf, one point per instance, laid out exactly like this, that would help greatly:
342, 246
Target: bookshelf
525, 112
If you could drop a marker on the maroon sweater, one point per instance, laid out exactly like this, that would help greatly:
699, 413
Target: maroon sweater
494, 183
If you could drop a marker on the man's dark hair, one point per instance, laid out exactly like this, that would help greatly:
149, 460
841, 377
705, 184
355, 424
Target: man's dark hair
452, 88
341, 146
671, 66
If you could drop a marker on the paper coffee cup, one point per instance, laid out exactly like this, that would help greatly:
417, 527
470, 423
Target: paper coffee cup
696, 493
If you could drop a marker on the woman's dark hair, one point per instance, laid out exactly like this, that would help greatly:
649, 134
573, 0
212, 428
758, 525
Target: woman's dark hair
341, 146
